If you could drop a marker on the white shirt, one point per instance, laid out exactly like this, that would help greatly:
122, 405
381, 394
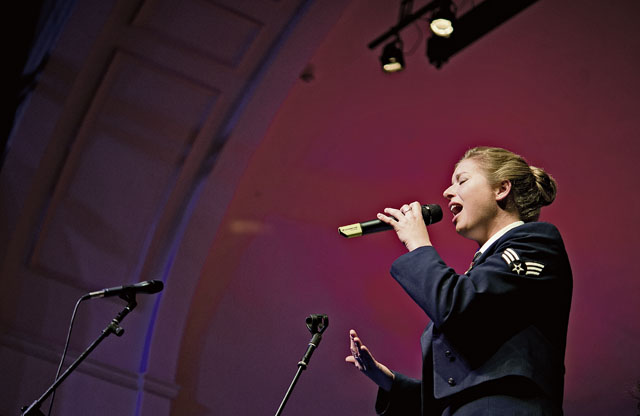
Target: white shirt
499, 234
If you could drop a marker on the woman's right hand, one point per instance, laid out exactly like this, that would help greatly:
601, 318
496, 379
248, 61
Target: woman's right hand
408, 224
362, 359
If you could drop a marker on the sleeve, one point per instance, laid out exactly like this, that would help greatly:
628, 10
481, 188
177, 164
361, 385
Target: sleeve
404, 398
518, 273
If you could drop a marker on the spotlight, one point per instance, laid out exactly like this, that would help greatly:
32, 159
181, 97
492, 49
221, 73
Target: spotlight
392, 59
470, 26
443, 19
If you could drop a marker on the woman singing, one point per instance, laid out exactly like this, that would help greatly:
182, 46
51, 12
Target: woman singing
496, 341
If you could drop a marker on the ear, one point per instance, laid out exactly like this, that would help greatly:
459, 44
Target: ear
502, 191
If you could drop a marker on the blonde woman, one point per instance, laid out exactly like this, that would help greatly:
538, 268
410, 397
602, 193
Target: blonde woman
496, 341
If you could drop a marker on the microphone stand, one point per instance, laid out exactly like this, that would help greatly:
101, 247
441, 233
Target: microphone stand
317, 324
112, 328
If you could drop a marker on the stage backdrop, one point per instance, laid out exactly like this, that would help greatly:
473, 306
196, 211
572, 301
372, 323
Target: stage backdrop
218, 145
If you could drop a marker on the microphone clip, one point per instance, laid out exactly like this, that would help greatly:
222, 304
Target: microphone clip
317, 323
129, 296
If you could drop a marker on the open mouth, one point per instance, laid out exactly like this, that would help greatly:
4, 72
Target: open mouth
455, 209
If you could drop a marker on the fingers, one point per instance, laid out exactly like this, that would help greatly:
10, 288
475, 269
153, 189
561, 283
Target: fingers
395, 215
352, 343
362, 359
409, 224
351, 359
392, 218
411, 209
385, 219
416, 207
353, 346
357, 349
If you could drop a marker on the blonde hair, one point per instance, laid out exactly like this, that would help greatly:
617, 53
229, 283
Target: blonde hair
531, 187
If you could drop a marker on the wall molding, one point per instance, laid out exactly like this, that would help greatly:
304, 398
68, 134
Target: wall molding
117, 376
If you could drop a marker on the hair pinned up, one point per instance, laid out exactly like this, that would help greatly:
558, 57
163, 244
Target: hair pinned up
531, 187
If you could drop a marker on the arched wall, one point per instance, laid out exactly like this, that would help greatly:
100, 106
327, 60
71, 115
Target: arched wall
262, 167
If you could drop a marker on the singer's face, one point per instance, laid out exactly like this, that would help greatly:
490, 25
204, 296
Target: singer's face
472, 201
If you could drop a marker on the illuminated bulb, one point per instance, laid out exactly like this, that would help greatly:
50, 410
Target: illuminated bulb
392, 66
392, 59
442, 27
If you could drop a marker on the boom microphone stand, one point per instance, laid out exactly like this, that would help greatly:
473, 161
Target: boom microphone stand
317, 324
112, 328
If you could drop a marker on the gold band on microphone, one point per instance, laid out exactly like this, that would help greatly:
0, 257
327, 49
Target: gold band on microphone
350, 231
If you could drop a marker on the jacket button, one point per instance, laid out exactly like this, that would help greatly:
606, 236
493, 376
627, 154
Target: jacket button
447, 353
451, 381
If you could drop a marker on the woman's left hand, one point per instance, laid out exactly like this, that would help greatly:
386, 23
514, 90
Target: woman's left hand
408, 224
362, 359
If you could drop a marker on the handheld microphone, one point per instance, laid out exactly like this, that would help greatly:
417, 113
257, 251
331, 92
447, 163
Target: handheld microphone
431, 213
149, 287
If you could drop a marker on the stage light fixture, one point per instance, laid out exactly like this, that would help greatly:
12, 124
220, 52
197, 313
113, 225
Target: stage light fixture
469, 27
392, 58
443, 19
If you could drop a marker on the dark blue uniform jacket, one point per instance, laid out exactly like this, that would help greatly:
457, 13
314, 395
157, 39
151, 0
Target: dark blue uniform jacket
506, 317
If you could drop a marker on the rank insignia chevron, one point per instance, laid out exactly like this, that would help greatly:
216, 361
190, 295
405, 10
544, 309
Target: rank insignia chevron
528, 268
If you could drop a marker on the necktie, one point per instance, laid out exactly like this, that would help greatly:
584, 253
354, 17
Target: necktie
473, 262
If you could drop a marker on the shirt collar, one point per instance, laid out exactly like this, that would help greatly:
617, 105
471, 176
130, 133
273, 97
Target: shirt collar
499, 234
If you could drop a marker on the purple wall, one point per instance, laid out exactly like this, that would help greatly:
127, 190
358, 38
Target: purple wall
549, 84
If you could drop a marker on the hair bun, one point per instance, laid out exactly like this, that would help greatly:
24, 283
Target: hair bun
547, 187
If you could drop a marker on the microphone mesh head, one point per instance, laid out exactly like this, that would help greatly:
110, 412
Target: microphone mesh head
153, 286
431, 213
